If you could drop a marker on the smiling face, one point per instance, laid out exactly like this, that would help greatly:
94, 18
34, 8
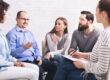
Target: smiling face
59, 25
23, 20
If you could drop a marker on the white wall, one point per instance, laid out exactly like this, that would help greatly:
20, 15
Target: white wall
43, 14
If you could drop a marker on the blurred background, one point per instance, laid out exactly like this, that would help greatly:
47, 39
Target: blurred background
43, 14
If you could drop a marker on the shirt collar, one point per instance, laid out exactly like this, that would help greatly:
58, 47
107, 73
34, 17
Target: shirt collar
19, 30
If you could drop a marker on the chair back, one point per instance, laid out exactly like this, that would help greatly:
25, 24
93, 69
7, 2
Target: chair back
43, 47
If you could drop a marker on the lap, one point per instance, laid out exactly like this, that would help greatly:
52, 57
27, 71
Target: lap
77, 75
17, 73
52, 63
63, 70
30, 65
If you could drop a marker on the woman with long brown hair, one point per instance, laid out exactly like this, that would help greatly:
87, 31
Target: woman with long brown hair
57, 41
56, 38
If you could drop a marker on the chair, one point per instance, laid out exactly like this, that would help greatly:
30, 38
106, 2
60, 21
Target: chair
43, 47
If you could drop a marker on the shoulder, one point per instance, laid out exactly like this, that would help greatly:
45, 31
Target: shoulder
48, 35
97, 31
29, 32
65, 36
11, 32
77, 33
106, 33
105, 37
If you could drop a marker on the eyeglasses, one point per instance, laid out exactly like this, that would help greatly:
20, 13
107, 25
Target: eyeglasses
25, 19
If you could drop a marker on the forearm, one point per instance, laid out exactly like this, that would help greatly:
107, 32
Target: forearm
5, 62
85, 55
99, 66
16, 51
37, 54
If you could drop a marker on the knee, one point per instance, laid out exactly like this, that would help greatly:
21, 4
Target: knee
32, 66
34, 74
35, 67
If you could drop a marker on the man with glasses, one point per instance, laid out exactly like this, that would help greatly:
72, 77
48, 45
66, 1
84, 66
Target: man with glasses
21, 41
83, 41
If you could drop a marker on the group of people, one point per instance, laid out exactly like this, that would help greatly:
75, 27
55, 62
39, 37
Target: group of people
20, 57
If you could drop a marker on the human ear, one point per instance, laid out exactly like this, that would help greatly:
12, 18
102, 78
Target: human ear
104, 15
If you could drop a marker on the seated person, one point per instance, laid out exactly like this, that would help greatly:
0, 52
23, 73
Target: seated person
99, 60
83, 40
57, 41
10, 68
22, 43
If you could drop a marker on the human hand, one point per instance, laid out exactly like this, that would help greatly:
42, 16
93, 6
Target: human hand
77, 55
78, 64
27, 45
72, 51
47, 56
19, 64
39, 61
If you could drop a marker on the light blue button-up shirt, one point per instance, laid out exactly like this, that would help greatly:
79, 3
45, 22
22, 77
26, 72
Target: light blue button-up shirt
5, 58
16, 37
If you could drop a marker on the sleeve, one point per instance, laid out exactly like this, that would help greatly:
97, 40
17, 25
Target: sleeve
12, 59
73, 44
4, 61
62, 51
100, 66
36, 50
51, 45
12, 43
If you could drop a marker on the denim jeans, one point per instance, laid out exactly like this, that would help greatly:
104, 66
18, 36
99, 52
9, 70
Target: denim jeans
67, 71
50, 66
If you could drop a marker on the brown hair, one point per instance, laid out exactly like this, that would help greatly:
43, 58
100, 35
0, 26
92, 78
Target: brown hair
104, 5
65, 23
3, 6
18, 14
89, 15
